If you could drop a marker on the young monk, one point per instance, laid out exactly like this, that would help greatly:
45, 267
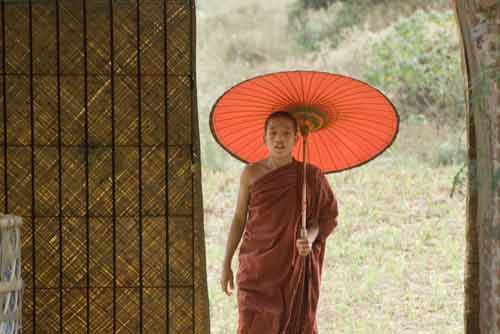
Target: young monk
279, 273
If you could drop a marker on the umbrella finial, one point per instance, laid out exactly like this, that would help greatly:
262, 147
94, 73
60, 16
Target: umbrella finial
310, 118
304, 129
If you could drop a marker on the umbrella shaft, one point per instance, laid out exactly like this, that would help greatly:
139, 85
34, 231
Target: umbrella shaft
304, 190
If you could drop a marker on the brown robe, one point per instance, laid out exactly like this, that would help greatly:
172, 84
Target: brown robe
278, 289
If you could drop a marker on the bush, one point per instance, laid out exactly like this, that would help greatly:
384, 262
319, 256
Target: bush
418, 63
311, 27
324, 4
316, 4
314, 22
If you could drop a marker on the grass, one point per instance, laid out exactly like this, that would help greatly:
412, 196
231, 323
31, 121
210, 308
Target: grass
395, 262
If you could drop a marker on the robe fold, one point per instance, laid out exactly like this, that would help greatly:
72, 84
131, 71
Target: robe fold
278, 289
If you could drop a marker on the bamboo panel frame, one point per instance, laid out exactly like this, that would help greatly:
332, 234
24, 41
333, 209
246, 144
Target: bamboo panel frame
100, 157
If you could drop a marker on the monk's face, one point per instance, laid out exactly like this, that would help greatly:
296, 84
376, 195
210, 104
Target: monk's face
280, 137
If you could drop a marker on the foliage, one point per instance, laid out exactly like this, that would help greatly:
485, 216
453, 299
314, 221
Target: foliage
419, 63
316, 4
312, 27
317, 22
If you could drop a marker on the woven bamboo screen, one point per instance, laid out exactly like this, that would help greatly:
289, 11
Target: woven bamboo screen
100, 158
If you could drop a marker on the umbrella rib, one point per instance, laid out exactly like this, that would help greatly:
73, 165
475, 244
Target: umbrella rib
262, 148
364, 128
240, 137
320, 136
318, 153
247, 92
238, 140
244, 91
361, 103
226, 106
356, 89
346, 97
368, 116
330, 130
293, 86
278, 90
302, 90
328, 100
233, 131
225, 129
290, 98
339, 93
275, 93
391, 111
333, 94
227, 118
318, 91
365, 139
247, 148
354, 85
285, 98
365, 103
309, 85
349, 118
364, 116
231, 127
333, 91
340, 140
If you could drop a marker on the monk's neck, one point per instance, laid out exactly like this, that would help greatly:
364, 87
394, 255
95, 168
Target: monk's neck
273, 162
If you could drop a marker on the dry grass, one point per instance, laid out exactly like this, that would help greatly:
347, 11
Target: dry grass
395, 262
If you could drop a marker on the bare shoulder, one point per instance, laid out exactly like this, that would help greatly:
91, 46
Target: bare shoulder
246, 174
252, 171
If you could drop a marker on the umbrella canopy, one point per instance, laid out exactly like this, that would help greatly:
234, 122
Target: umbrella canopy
346, 121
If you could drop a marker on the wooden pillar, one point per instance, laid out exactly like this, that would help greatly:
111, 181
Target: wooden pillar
479, 25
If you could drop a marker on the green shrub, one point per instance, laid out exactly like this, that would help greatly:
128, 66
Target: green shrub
311, 27
418, 63
317, 22
448, 154
316, 4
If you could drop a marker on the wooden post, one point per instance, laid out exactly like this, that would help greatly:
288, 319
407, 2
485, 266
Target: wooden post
479, 25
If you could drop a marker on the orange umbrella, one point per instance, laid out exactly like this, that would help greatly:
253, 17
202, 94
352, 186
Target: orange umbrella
343, 122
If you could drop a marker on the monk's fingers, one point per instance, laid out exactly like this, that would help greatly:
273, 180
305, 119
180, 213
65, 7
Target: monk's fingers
301, 242
304, 250
224, 287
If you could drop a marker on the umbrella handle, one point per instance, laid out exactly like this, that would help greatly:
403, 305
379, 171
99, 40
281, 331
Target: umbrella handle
303, 230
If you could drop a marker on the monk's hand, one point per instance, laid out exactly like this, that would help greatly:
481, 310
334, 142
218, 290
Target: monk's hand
304, 246
226, 278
